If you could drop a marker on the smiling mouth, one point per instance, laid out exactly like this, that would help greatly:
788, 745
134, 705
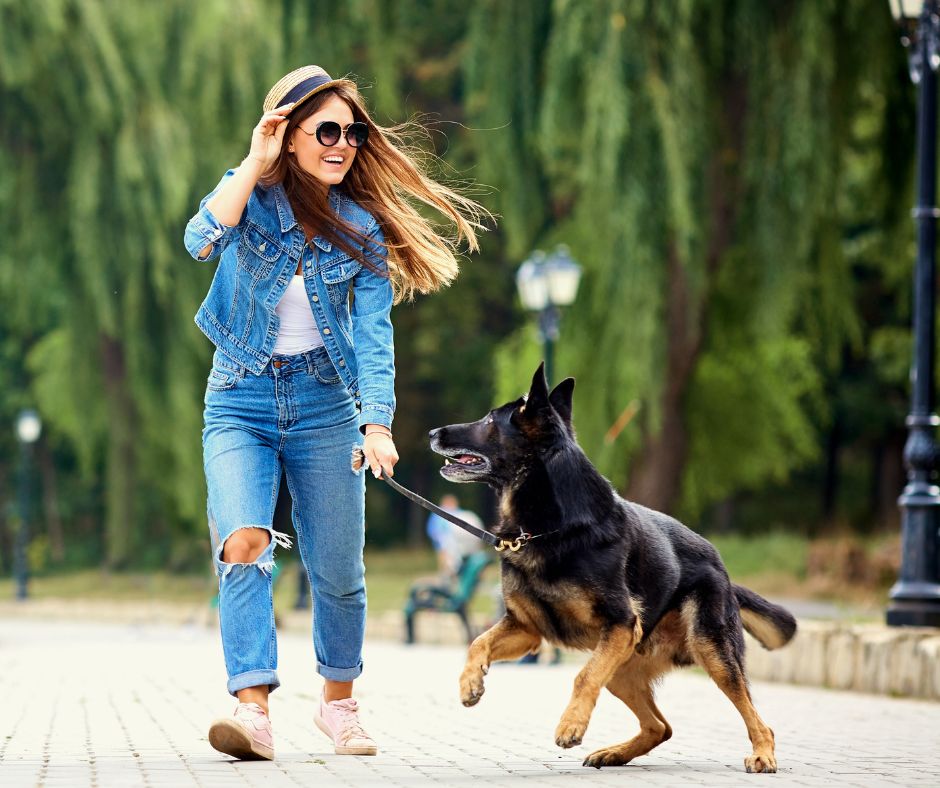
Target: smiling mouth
335, 161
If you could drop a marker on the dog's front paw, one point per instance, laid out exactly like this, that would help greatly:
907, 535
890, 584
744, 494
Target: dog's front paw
471, 685
608, 756
756, 764
570, 732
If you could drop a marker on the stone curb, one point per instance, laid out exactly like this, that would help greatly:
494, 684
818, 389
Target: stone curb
861, 657
902, 662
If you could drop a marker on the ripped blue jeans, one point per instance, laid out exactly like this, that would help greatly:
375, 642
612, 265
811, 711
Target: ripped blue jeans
297, 416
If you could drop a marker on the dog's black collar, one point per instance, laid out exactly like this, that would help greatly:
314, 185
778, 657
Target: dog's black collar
513, 545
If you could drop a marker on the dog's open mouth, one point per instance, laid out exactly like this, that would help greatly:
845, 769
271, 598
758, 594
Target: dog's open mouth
461, 462
464, 459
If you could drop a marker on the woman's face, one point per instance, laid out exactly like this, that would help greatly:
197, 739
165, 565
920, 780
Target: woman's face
329, 165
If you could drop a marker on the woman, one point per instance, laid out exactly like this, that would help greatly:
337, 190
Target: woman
317, 239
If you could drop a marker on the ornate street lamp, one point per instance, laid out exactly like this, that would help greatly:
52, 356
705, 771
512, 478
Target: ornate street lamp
545, 283
915, 598
28, 428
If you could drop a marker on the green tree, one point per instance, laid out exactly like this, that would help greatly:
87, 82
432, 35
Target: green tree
733, 176
693, 156
108, 118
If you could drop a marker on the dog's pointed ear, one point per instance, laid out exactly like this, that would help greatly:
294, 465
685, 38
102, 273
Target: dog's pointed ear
538, 391
560, 399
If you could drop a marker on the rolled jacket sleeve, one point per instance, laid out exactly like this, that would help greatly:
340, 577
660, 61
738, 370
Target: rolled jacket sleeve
204, 229
373, 337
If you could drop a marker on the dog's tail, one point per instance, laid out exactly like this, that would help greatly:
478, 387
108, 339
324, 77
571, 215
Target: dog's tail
772, 625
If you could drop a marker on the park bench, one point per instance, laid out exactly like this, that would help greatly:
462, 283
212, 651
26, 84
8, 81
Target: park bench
442, 597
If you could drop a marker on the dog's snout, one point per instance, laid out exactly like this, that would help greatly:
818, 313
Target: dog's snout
434, 432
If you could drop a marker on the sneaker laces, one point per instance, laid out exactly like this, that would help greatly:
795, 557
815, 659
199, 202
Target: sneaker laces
348, 713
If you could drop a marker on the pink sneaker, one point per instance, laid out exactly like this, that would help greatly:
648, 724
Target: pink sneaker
339, 719
246, 735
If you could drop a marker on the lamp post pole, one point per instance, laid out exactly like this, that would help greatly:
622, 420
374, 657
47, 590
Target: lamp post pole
915, 598
28, 427
548, 328
22, 533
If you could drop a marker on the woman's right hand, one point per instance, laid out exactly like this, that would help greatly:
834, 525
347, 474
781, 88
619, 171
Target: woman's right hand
268, 135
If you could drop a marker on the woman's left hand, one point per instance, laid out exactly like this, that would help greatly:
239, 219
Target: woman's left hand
380, 452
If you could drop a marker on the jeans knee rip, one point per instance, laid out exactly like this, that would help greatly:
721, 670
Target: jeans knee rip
265, 559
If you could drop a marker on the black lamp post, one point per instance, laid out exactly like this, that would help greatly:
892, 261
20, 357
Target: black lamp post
545, 283
28, 429
915, 598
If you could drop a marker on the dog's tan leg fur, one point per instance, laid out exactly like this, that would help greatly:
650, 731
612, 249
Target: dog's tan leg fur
634, 687
506, 639
614, 648
735, 687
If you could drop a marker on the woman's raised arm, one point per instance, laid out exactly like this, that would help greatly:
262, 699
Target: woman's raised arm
228, 204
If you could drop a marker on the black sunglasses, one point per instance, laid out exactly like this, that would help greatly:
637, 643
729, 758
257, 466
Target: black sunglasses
328, 133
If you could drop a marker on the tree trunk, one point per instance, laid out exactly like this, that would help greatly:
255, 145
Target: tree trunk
417, 517
888, 482
6, 538
50, 502
656, 474
831, 476
120, 477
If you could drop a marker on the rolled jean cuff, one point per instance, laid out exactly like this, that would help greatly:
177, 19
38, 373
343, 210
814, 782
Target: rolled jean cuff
253, 678
339, 674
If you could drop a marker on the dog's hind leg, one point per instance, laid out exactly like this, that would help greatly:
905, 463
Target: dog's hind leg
722, 657
614, 648
635, 688
507, 639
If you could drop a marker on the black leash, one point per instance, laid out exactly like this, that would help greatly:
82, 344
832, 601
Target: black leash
514, 545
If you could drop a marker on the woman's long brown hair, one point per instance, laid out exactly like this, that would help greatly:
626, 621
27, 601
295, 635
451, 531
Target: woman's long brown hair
386, 177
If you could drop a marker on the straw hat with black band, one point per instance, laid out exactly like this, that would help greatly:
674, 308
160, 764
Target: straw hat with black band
299, 85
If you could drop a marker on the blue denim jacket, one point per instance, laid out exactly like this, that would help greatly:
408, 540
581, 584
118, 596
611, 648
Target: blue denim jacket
259, 257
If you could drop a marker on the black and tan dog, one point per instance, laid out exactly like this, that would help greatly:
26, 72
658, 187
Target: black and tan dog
636, 587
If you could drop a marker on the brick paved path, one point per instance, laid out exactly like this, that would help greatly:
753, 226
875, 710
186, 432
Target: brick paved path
98, 705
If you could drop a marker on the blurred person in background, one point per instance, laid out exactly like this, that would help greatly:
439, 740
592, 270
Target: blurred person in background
451, 543
317, 237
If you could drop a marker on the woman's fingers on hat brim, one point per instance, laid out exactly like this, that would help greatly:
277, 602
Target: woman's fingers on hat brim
284, 108
271, 123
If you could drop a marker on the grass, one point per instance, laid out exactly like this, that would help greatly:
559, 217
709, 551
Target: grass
771, 564
99, 585
389, 575
774, 564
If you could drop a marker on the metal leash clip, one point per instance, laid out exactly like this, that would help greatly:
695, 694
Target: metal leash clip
515, 545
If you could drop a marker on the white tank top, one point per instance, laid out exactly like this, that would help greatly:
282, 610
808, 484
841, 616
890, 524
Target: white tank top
298, 331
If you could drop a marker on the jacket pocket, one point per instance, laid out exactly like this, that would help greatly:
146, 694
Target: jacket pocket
337, 276
257, 252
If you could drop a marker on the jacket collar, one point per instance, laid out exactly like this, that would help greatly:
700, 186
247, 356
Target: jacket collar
285, 213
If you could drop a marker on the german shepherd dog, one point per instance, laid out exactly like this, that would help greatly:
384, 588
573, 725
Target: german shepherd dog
637, 588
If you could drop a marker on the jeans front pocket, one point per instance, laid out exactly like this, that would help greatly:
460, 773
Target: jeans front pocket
324, 371
222, 377
221, 380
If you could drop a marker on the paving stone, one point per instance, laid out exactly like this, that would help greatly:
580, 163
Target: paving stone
124, 705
